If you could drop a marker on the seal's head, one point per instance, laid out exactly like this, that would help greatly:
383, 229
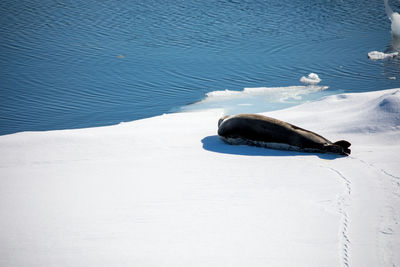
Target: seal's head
221, 120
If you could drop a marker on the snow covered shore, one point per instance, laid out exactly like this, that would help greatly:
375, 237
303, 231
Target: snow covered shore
166, 191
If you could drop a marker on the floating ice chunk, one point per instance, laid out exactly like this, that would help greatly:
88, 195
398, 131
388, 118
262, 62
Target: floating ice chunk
394, 17
311, 79
375, 55
395, 27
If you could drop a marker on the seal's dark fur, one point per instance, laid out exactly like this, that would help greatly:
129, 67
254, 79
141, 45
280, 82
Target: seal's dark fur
260, 130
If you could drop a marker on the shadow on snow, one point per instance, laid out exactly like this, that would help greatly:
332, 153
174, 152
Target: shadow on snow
214, 144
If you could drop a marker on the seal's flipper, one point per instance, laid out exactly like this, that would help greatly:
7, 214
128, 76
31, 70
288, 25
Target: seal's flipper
337, 149
343, 143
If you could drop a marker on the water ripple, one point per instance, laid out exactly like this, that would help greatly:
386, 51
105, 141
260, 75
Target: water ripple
67, 64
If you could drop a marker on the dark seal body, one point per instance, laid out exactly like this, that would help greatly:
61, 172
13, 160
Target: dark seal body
258, 130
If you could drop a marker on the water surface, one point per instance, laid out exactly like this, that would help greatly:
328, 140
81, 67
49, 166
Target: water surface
71, 64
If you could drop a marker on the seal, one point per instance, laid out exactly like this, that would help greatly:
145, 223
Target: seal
259, 130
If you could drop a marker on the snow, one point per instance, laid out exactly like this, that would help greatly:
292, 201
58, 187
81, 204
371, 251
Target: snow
166, 191
376, 55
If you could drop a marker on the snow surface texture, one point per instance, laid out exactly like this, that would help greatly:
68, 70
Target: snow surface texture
311, 79
375, 55
166, 191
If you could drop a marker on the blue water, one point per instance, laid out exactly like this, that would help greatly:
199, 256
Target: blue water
71, 64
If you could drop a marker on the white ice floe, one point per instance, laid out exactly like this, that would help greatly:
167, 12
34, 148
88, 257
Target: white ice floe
273, 94
166, 191
261, 98
312, 79
376, 55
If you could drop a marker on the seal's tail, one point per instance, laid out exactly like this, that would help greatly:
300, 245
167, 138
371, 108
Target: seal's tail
345, 145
